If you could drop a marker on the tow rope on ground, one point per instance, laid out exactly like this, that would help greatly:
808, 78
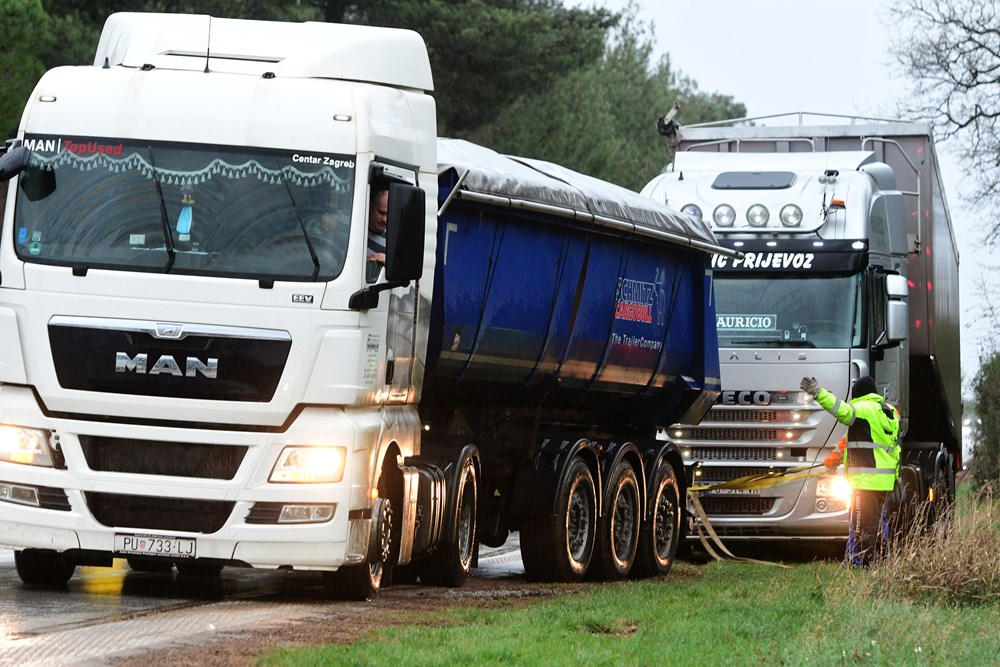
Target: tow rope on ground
766, 480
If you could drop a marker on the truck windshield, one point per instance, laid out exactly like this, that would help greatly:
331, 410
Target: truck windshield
788, 312
183, 208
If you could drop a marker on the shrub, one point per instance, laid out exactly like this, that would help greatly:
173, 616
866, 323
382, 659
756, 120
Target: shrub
954, 561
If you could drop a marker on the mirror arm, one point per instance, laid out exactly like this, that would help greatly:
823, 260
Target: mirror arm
367, 297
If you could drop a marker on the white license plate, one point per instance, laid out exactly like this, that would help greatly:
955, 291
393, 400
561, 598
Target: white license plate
155, 545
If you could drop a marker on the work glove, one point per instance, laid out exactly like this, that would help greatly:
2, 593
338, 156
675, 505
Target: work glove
810, 386
832, 461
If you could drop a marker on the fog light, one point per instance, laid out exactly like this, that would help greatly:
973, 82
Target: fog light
22, 495
306, 513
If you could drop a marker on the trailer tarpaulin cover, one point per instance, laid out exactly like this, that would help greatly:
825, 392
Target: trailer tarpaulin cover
547, 184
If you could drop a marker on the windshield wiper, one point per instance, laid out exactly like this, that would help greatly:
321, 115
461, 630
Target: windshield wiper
302, 225
168, 240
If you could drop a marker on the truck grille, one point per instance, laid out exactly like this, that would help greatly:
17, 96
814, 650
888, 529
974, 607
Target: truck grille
718, 505
52, 498
200, 362
733, 453
743, 416
717, 474
158, 457
152, 513
731, 434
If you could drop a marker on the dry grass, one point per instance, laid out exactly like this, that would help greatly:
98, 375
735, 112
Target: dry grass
955, 561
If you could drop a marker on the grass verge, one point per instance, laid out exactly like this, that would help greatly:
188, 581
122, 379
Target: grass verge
731, 613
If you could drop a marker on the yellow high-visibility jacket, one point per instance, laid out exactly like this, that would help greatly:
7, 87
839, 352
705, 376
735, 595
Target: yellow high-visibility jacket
871, 457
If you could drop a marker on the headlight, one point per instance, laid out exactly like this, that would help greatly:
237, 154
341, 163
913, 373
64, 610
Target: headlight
25, 445
758, 215
724, 215
692, 209
833, 487
791, 215
310, 464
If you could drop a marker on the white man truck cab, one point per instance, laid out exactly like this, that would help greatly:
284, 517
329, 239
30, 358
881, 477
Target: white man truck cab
203, 362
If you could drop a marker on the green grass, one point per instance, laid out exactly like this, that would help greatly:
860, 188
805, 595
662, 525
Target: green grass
726, 613
934, 601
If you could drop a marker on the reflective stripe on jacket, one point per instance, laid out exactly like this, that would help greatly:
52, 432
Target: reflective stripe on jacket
871, 457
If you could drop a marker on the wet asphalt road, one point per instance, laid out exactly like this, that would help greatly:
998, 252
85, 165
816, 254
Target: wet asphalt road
108, 613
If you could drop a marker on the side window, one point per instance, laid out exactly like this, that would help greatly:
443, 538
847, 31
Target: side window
381, 177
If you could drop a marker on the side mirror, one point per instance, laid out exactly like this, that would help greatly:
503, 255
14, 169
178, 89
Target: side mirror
13, 162
897, 321
897, 312
404, 234
896, 286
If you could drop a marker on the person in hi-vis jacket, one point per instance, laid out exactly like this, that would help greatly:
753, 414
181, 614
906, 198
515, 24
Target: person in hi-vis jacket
871, 462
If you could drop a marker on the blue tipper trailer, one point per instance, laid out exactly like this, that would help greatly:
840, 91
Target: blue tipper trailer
570, 318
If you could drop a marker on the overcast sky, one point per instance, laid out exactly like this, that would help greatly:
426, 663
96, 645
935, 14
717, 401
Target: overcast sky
779, 56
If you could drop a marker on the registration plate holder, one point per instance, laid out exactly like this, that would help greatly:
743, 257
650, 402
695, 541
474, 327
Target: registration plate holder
166, 546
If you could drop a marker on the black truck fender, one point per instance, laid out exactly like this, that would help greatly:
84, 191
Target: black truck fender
537, 483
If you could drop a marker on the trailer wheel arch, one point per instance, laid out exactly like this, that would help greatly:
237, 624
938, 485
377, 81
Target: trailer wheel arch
537, 484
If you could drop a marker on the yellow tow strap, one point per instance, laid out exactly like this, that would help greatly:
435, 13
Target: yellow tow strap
766, 480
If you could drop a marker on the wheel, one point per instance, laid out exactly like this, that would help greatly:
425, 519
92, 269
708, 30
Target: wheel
618, 527
450, 565
43, 567
199, 568
661, 531
149, 564
560, 547
944, 495
362, 582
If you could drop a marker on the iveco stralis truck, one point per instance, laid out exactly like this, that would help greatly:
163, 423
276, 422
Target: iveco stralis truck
202, 369
850, 268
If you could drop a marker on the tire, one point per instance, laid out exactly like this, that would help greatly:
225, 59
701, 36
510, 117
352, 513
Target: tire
450, 564
559, 548
362, 582
944, 496
43, 567
618, 527
138, 564
661, 531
